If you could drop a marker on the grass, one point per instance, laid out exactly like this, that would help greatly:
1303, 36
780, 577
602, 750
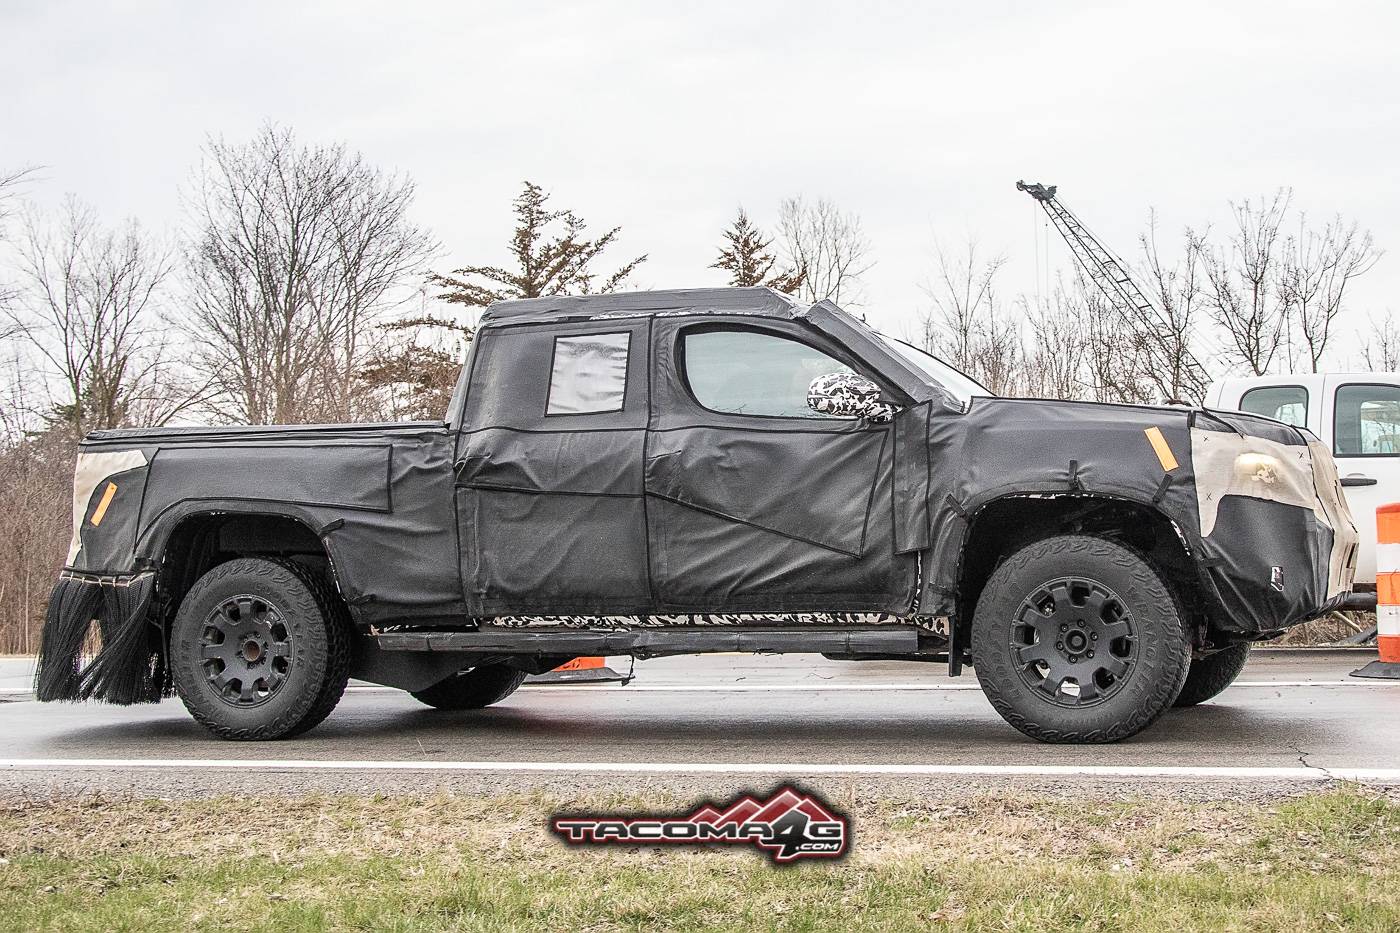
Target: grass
1322, 861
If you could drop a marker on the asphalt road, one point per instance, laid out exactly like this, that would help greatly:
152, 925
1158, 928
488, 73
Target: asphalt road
1293, 720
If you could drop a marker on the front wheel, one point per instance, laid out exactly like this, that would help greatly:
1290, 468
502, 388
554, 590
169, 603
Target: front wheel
1077, 639
474, 688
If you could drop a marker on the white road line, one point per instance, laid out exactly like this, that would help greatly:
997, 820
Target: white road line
804, 688
813, 688
1382, 775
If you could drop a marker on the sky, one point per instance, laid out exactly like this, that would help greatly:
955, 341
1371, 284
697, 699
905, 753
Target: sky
664, 118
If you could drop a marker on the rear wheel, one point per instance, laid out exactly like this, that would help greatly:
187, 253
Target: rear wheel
1210, 675
1077, 639
259, 650
473, 689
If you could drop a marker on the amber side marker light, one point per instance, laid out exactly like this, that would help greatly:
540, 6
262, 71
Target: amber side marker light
1162, 448
101, 510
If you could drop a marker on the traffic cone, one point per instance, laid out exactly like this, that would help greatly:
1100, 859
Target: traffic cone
1387, 666
579, 671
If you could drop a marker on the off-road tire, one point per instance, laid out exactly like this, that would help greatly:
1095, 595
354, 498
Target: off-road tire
472, 689
1160, 649
320, 646
1210, 675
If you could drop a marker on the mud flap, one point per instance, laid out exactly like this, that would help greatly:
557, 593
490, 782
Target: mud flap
129, 668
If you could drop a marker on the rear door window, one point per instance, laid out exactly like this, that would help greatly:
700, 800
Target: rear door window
588, 374
1288, 404
1367, 421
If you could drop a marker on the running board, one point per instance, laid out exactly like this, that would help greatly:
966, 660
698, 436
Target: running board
656, 642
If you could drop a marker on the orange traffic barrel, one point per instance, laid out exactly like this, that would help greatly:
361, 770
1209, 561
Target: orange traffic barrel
580, 671
1387, 666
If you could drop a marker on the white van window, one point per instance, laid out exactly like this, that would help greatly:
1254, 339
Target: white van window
1288, 404
1368, 421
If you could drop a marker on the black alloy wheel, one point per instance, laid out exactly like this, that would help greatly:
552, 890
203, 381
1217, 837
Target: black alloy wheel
247, 650
1074, 641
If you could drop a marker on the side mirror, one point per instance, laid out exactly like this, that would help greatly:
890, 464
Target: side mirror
846, 395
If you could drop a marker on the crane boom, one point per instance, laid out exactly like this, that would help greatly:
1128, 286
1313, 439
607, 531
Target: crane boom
1106, 272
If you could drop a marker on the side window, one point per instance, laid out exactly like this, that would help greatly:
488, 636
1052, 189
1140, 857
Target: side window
1368, 421
588, 374
1288, 404
744, 372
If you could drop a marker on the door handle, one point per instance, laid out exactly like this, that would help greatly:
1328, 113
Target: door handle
1358, 481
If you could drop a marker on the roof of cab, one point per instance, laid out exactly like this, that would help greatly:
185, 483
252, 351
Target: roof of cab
760, 301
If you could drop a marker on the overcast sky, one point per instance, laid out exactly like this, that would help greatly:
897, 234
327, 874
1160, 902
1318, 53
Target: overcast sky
919, 117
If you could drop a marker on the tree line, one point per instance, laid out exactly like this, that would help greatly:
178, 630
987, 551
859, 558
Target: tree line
299, 288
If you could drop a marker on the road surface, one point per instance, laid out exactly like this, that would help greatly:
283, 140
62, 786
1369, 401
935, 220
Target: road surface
716, 722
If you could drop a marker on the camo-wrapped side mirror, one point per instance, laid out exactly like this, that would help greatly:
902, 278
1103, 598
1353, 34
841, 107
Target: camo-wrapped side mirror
846, 395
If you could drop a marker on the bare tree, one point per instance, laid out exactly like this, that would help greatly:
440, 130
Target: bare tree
966, 324
296, 253
9, 186
1380, 346
1165, 348
1057, 360
1245, 298
827, 245
1117, 358
36, 517
1317, 268
963, 297
87, 310
745, 256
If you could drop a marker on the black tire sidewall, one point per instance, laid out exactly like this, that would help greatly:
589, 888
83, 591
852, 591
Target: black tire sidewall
1209, 676
306, 625
1156, 675
472, 689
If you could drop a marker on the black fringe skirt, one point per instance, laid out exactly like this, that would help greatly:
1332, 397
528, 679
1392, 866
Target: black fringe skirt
129, 668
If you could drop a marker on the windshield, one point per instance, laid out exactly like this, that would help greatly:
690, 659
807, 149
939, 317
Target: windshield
962, 387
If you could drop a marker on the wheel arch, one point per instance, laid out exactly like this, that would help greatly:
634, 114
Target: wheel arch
1005, 524
190, 539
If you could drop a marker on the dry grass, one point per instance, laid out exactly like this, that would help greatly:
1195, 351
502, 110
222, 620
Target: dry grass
1331, 629
990, 862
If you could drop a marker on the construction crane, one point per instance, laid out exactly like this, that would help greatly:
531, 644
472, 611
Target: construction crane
1136, 310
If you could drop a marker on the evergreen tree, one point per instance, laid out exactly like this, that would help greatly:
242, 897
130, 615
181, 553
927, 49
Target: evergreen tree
551, 254
746, 258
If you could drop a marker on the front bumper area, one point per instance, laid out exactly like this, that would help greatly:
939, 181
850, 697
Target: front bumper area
1278, 542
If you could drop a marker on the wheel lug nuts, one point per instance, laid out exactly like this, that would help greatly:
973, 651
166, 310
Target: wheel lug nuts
1094, 636
1059, 646
1063, 627
1091, 654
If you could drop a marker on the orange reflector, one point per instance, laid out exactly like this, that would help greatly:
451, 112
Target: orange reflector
1388, 524
101, 509
1162, 448
1388, 589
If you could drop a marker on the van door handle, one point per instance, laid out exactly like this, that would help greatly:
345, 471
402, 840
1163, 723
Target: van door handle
1358, 481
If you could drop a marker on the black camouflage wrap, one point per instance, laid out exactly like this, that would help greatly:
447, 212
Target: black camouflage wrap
663, 510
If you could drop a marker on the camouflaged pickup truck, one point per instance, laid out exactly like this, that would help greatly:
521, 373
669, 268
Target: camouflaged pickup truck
661, 473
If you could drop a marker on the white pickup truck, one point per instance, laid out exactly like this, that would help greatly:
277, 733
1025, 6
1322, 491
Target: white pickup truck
1357, 415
